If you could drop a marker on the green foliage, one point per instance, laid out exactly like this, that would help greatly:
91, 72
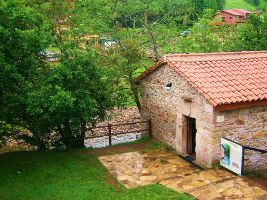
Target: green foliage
126, 57
61, 100
125, 60
91, 17
214, 4
24, 33
138, 13
6, 130
156, 25
75, 94
203, 37
206, 37
57, 102
250, 36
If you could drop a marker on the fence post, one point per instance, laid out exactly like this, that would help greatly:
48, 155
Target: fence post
243, 160
109, 135
150, 128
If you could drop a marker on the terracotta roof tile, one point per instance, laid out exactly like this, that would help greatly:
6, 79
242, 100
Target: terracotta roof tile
222, 78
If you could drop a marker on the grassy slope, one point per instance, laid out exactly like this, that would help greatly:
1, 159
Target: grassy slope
72, 175
241, 4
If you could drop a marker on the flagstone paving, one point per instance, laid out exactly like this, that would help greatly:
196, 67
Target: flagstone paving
142, 168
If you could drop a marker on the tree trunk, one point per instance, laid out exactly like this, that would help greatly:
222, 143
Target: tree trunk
35, 140
146, 14
68, 135
134, 22
154, 44
145, 18
41, 144
134, 90
60, 131
80, 142
151, 33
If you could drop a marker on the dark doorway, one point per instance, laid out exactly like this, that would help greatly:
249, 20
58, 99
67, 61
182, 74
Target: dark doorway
191, 137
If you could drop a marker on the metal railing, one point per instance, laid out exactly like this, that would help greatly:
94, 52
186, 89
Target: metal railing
244, 148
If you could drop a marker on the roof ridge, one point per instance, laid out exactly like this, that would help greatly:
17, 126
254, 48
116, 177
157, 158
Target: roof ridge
215, 53
236, 11
216, 59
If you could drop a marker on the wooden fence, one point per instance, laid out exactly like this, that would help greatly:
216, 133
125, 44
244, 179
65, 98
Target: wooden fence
110, 132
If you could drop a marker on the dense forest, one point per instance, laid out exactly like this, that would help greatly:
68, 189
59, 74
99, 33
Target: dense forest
51, 104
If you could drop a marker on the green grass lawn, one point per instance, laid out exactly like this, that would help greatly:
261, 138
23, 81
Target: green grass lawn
241, 4
72, 175
54, 49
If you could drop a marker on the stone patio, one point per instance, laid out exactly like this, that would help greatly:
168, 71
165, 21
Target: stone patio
142, 168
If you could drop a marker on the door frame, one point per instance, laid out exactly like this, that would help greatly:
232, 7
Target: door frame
187, 136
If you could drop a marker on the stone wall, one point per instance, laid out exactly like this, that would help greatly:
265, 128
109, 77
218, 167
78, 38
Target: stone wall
249, 127
168, 108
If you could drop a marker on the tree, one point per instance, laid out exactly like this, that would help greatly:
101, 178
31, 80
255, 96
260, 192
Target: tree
215, 5
24, 35
204, 37
211, 4
75, 95
144, 19
250, 36
55, 103
126, 59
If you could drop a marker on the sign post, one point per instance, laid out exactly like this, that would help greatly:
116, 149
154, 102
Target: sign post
232, 156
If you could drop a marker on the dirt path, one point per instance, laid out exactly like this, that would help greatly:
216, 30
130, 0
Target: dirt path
142, 168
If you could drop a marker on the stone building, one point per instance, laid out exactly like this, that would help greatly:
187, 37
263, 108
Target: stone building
233, 16
195, 99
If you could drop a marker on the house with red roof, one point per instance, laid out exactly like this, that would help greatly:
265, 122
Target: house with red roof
194, 100
233, 16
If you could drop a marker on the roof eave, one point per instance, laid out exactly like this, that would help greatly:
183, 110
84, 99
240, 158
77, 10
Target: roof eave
151, 70
235, 106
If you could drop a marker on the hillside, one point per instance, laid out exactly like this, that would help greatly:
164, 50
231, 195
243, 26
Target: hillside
241, 4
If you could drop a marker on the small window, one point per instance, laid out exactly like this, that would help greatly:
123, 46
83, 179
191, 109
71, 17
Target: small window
168, 87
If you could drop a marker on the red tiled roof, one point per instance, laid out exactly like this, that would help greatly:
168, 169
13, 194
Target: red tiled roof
237, 12
243, 11
222, 78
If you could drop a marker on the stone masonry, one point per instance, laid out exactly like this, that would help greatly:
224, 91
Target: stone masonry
168, 108
249, 127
